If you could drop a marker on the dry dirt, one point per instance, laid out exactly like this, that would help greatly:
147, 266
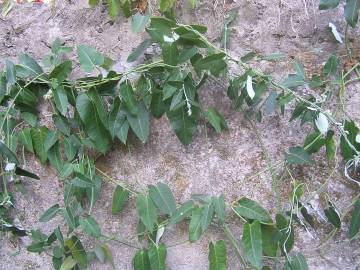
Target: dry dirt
228, 163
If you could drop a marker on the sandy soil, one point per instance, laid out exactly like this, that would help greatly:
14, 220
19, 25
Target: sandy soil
213, 163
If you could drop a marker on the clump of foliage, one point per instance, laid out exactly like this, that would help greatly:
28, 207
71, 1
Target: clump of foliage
90, 113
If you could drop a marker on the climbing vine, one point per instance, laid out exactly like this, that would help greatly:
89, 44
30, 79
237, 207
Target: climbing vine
90, 113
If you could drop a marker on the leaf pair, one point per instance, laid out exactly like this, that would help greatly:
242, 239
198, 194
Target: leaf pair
202, 217
152, 258
160, 196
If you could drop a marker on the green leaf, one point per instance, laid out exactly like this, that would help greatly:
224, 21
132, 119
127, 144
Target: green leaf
3, 87
72, 145
192, 3
297, 262
270, 103
293, 81
195, 229
108, 254
51, 138
89, 57
38, 136
286, 241
163, 198
82, 181
184, 125
29, 68
326, 4
120, 198
355, 221
332, 215
170, 53
214, 63
50, 213
352, 131
92, 113
55, 158
118, 124
61, 99
77, 251
157, 256
127, 96
146, 211
252, 243
313, 142
126, 7
166, 5
93, 3
207, 215
217, 256
330, 145
297, 155
216, 120
36, 247
61, 72
219, 205
114, 8
134, 55
331, 65
352, 8
248, 57
178, 100
100, 254
68, 264
270, 237
186, 53
140, 124
316, 81
141, 260
62, 124
5, 151
139, 23
299, 68
70, 220
182, 212
10, 72
90, 226
30, 118
250, 209
157, 105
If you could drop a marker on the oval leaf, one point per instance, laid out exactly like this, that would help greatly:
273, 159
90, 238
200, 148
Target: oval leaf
250, 209
217, 256
146, 211
163, 198
252, 243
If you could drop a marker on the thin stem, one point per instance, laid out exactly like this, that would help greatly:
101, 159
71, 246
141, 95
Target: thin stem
118, 240
16, 96
234, 243
116, 182
347, 41
277, 86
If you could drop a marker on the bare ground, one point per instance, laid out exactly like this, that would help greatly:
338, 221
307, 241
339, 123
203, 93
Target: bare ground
228, 163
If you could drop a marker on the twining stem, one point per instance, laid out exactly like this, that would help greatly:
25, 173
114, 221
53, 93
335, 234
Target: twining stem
276, 85
16, 96
116, 182
116, 239
234, 243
